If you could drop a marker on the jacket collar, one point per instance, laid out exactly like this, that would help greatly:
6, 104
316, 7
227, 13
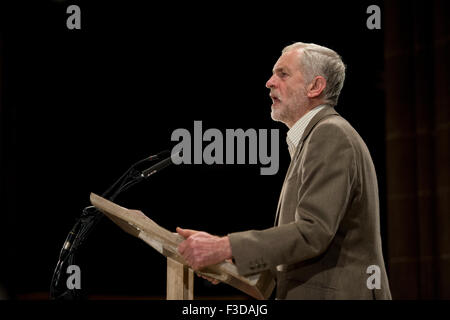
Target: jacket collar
325, 112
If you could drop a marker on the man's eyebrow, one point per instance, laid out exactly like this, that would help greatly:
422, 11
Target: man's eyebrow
280, 69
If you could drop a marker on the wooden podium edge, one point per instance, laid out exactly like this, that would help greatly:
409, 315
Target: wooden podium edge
136, 223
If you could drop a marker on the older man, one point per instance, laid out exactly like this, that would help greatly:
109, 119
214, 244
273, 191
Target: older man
326, 240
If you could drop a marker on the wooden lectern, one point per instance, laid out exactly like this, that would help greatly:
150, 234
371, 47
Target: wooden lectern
180, 278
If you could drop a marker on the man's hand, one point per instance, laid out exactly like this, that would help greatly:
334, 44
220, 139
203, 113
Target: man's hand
200, 249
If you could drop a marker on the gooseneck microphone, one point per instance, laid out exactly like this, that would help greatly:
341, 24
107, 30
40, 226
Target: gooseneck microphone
139, 176
162, 164
157, 167
131, 174
160, 155
91, 216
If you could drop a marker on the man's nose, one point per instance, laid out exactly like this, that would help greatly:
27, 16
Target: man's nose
271, 82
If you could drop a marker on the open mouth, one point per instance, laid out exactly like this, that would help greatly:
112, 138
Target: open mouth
275, 99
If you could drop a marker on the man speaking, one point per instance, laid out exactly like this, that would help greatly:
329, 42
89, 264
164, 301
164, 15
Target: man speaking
326, 241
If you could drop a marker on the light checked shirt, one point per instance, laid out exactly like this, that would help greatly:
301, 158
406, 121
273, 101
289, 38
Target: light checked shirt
296, 132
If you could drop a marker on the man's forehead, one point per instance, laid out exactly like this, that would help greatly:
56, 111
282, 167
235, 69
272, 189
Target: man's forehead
288, 60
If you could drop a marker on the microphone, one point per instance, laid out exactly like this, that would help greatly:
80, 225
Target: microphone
130, 172
91, 216
160, 165
160, 155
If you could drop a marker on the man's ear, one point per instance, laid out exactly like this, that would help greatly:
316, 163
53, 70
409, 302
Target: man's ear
316, 87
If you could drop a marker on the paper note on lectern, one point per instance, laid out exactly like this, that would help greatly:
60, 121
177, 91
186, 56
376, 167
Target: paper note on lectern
136, 223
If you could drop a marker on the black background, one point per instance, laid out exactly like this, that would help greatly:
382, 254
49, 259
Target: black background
80, 106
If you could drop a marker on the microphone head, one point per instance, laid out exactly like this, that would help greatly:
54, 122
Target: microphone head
160, 155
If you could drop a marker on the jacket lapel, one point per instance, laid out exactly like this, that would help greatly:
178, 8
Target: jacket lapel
325, 112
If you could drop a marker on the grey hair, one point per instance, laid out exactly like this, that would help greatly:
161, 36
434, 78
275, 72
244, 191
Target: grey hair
321, 61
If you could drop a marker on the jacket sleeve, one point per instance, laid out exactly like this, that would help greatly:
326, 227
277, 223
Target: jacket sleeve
324, 192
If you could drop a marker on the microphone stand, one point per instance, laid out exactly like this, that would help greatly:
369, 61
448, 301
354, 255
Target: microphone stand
90, 217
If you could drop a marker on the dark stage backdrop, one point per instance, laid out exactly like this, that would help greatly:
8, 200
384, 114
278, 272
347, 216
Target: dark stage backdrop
79, 106
417, 69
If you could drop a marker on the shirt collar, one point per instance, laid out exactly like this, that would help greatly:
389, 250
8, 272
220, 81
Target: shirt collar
295, 133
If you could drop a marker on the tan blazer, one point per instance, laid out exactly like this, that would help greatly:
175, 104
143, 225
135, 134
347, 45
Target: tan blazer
327, 229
